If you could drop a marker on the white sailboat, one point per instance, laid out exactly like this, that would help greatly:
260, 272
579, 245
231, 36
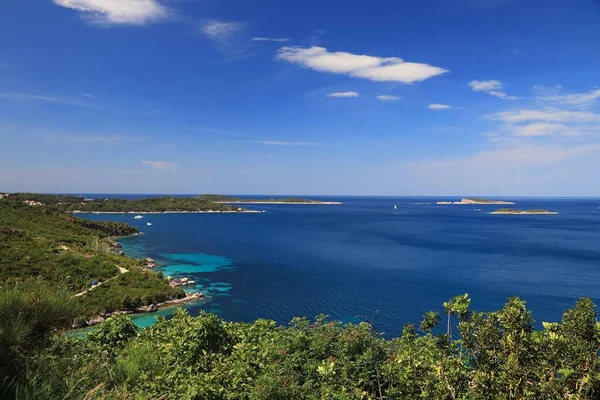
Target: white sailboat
395, 207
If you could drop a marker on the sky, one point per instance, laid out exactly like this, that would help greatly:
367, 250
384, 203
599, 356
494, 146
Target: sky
330, 97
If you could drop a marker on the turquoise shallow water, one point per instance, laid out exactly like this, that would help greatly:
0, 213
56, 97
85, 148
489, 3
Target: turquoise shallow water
364, 257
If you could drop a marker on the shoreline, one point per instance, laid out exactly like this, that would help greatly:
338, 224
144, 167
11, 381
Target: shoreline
283, 202
152, 308
524, 213
166, 212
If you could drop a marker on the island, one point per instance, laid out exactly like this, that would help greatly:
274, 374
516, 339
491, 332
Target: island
476, 200
512, 211
223, 199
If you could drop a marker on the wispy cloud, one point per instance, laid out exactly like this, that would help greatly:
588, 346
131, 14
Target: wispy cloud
88, 95
159, 164
282, 143
27, 97
388, 97
267, 39
493, 88
380, 69
115, 12
546, 114
227, 37
439, 107
344, 94
576, 100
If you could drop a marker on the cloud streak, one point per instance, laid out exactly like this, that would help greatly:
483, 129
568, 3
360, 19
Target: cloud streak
267, 39
577, 100
493, 88
388, 97
378, 69
439, 107
344, 94
118, 12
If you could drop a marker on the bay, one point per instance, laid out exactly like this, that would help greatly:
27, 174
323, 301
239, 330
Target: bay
365, 259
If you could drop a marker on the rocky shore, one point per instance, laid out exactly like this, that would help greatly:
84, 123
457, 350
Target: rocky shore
144, 309
475, 201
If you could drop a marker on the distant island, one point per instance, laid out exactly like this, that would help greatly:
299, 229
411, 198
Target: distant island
476, 200
222, 199
167, 204
512, 211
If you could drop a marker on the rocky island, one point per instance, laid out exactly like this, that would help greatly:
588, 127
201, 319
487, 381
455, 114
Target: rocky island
221, 199
512, 211
476, 200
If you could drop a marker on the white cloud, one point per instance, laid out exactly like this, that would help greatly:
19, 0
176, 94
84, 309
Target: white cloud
578, 100
547, 115
492, 88
282, 143
388, 97
380, 69
132, 12
226, 36
344, 94
266, 39
159, 164
439, 107
546, 129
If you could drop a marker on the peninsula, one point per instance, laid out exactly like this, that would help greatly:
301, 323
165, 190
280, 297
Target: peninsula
150, 205
476, 200
222, 199
512, 211
79, 258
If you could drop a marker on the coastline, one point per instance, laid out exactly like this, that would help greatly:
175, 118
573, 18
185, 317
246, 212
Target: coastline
524, 213
165, 212
98, 319
283, 202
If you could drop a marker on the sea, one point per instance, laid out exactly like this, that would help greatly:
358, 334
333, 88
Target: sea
386, 260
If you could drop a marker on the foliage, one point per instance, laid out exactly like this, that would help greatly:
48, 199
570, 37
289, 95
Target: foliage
154, 204
39, 242
28, 314
497, 355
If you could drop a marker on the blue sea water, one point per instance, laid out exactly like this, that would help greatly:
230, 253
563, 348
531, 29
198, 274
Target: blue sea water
365, 258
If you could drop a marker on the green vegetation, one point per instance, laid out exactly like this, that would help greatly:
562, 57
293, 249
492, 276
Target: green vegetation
40, 242
155, 204
493, 355
231, 199
513, 211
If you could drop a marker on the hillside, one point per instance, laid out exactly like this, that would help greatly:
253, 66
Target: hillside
39, 242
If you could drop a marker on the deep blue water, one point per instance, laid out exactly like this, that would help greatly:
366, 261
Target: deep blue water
351, 260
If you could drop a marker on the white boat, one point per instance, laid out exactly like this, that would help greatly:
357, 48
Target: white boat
148, 223
395, 207
138, 217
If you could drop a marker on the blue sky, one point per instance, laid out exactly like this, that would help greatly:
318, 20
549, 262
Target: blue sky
403, 97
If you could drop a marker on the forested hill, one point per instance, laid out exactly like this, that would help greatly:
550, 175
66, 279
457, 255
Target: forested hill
40, 242
68, 203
